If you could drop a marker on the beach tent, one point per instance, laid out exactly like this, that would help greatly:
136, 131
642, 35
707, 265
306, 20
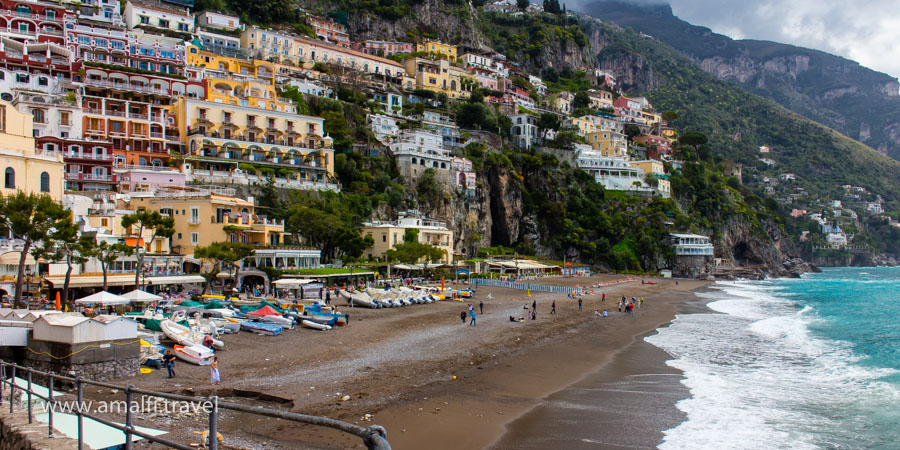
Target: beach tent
264, 311
140, 296
103, 298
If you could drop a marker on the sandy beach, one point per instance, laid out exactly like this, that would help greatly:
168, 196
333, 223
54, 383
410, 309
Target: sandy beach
399, 364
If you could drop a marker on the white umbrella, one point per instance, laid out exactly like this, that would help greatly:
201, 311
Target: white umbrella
291, 282
140, 296
103, 298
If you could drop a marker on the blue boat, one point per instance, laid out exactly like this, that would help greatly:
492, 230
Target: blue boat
268, 329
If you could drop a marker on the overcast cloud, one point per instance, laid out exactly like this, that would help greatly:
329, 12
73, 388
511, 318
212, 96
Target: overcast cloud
866, 31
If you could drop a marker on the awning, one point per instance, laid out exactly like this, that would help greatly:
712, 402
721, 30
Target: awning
176, 279
288, 283
13, 258
132, 241
103, 298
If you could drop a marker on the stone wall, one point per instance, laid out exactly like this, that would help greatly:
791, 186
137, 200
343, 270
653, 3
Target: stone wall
96, 371
17, 434
99, 361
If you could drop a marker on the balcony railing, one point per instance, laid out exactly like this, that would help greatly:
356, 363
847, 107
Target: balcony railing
125, 86
44, 18
157, 135
91, 177
88, 156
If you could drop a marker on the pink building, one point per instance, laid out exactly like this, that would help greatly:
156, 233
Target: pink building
382, 48
149, 179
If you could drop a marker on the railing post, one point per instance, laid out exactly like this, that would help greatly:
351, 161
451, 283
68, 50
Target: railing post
29, 398
80, 404
2, 379
129, 421
213, 443
50, 404
12, 389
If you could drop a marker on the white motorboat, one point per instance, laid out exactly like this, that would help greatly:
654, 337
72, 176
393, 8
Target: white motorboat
278, 320
195, 354
186, 336
314, 325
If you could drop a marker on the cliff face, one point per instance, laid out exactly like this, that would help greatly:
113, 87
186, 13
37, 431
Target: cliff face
860, 103
761, 253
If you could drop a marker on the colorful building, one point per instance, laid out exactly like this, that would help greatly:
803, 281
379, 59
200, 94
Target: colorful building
382, 48
437, 48
24, 168
388, 234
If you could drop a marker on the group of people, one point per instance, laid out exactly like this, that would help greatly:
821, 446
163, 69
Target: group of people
462, 314
627, 306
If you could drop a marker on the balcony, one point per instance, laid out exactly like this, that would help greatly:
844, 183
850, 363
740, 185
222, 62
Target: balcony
134, 115
194, 220
88, 157
91, 177
156, 135
124, 86
30, 16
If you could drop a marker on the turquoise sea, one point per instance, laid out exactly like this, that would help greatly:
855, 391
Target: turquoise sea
795, 363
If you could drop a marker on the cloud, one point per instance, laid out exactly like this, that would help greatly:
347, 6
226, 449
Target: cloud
863, 30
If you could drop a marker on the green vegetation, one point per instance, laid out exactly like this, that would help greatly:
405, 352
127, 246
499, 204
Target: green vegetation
411, 251
525, 37
222, 256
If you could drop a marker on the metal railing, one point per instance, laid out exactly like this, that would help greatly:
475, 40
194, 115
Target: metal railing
374, 437
535, 287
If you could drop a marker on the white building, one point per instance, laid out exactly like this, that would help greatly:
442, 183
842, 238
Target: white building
538, 84
221, 44
615, 174
53, 115
163, 16
310, 87
463, 175
384, 127
874, 208
524, 130
219, 21
691, 245
418, 150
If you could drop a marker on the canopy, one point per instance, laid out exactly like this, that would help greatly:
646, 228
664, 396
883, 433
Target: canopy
13, 258
288, 283
140, 296
264, 311
103, 298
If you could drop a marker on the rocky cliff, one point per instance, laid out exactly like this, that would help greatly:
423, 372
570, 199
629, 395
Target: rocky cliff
758, 252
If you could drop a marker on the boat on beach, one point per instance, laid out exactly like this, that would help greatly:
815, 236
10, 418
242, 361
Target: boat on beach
194, 354
185, 336
315, 325
267, 329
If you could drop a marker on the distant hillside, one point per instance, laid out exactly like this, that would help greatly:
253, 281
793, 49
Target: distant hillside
739, 121
859, 102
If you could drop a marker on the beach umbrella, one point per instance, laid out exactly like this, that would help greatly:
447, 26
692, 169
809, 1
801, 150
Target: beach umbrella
103, 298
140, 296
58, 305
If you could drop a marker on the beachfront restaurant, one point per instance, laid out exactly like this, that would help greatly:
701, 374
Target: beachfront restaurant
520, 266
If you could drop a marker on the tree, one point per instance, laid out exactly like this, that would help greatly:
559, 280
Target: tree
419, 109
411, 251
581, 100
107, 254
670, 116
522, 4
31, 218
222, 255
632, 131
473, 115
552, 6
64, 244
547, 121
162, 226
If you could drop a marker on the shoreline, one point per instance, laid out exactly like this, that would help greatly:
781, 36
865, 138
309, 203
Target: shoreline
398, 365
510, 416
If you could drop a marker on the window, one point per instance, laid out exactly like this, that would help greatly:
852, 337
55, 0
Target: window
195, 238
9, 179
84, 40
144, 20
2, 118
23, 27
42, 81
22, 77
195, 216
64, 118
39, 116
51, 14
163, 23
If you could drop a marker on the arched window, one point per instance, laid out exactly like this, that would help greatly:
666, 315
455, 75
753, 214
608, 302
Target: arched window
9, 180
45, 182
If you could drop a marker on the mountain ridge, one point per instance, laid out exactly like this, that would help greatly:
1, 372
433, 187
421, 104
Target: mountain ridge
859, 102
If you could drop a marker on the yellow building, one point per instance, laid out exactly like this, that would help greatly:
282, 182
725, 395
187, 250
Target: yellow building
388, 234
239, 82
608, 143
240, 141
584, 125
270, 45
652, 166
439, 76
24, 168
206, 215
437, 48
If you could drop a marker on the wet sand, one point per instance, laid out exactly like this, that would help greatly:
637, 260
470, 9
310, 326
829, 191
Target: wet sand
398, 364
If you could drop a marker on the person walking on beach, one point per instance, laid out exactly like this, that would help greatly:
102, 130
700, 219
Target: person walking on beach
534, 305
214, 370
579, 303
533, 315
620, 306
553, 307
169, 359
603, 298
641, 304
472, 322
462, 316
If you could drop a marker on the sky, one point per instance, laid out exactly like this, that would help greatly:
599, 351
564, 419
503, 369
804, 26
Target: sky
866, 31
